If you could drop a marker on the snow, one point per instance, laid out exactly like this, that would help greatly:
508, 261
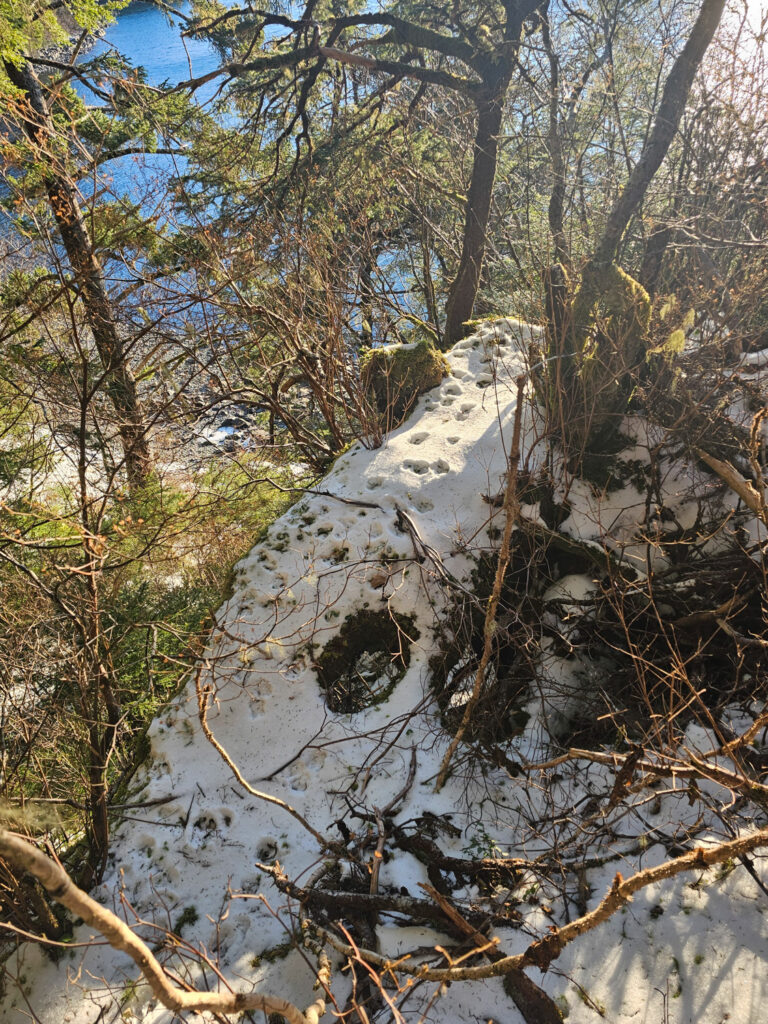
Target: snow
694, 948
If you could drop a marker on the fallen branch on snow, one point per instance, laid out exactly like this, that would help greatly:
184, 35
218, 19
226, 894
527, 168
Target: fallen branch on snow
543, 951
60, 886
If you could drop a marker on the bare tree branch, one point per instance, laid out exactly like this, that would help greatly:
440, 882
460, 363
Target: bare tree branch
543, 951
676, 90
61, 888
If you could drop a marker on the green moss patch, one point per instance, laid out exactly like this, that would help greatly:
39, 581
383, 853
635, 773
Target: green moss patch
603, 338
362, 664
396, 375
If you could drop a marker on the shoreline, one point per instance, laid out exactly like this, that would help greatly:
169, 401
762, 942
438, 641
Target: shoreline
63, 52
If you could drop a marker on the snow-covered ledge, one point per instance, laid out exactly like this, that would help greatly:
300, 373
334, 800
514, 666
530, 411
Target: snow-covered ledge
333, 554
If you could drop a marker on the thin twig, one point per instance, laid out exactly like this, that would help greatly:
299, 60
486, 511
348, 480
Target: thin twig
511, 511
204, 694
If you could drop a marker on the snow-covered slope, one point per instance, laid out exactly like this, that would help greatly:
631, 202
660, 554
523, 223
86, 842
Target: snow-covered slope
693, 952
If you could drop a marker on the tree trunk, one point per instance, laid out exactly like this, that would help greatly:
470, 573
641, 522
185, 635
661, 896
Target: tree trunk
674, 98
606, 353
461, 298
89, 277
497, 76
366, 300
655, 249
556, 211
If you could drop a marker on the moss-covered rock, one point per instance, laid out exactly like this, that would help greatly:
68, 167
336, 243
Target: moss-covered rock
395, 375
362, 664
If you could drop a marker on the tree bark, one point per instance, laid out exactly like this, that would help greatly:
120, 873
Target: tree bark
496, 70
89, 277
674, 98
366, 299
556, 210
461, 298
655, 249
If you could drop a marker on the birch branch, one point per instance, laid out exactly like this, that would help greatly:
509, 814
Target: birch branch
543, 951
59, 885
731, 476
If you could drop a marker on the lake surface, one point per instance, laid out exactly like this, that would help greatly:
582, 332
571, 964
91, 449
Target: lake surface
147, 38
144, 34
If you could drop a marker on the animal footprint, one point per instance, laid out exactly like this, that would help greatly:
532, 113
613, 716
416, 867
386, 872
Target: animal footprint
314, 759
453, 439
298, 780
256, 707
417, 466
266, 850
374, 482
453, 389
424, 505
207, 823
483, 380
464, 410
441, 466
419, 438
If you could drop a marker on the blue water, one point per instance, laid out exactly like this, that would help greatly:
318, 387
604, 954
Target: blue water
145, 35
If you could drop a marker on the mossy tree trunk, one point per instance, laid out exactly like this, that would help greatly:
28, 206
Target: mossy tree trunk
119, 381
597, 332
